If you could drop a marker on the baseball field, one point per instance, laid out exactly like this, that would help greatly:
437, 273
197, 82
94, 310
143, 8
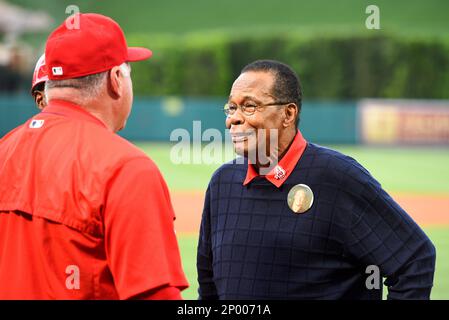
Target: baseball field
418, 179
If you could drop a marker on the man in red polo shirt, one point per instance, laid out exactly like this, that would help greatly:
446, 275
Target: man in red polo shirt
84, 214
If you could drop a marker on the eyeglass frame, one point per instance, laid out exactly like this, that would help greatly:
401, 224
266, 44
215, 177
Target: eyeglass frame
257, 107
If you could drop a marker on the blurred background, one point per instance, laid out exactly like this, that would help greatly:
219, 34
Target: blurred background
379, 95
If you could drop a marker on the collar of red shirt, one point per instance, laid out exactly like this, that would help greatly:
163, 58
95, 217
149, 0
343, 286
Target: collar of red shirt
71, 110
279, 174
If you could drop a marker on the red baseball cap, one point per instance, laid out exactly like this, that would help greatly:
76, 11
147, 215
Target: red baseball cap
88, 43
40, 73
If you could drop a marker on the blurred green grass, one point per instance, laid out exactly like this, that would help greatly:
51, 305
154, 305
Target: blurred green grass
439, 237
411, 170
407, 18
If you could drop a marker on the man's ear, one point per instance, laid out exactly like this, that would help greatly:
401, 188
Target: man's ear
116, 81
291, 111
39, 99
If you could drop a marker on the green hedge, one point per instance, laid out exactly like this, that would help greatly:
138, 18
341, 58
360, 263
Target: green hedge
329, 66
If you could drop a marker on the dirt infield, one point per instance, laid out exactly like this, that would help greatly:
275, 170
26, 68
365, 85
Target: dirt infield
426, 210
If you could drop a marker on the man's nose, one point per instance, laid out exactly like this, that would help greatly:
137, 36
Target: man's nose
235, 119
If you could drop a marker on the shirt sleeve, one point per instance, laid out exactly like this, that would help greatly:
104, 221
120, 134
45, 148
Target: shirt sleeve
160, 293
381, 233
207, 289
140, 240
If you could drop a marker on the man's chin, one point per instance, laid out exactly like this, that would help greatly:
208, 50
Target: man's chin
241, 151
121, 127
251, 154
244, 152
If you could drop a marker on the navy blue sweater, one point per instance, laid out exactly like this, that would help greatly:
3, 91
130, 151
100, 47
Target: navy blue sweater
252, 245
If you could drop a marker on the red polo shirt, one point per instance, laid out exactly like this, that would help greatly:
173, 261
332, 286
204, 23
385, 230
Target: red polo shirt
84, 214
279, 174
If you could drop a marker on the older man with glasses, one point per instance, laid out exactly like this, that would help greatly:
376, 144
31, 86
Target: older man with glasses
258, 240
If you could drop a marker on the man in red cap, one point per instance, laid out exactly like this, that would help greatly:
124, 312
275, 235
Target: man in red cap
38, 83
84, 214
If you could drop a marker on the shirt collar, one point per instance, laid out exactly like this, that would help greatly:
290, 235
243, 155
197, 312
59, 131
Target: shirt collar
279, 174
71, 110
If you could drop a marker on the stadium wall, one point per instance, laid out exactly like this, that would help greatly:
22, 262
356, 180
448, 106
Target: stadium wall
154, 119
375, 121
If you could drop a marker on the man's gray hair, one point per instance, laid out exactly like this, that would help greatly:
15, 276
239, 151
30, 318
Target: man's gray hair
89, 86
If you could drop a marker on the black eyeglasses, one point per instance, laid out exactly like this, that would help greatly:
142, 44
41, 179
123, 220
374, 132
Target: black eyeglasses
248, 108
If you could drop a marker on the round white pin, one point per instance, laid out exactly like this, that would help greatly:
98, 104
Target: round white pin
300, 198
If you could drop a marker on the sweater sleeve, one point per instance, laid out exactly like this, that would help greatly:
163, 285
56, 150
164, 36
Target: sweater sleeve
207, 289
381, 233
